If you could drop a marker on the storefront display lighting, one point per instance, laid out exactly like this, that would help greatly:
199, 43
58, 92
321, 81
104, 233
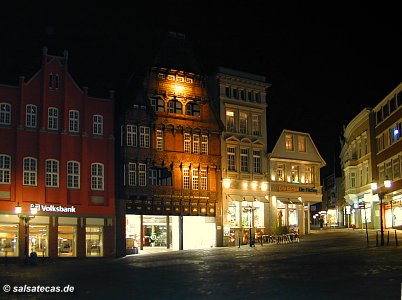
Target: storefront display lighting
381, 194
26, 218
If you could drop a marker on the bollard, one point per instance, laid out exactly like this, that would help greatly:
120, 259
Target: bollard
396, 238
388, 238
239, 242
376, 239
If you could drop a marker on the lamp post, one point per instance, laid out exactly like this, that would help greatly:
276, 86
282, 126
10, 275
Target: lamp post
374, 188
26, 218
249, 208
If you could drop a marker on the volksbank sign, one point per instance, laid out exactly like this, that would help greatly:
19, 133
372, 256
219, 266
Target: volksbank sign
54, 208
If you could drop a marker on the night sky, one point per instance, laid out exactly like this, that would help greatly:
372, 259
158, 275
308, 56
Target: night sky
326, 62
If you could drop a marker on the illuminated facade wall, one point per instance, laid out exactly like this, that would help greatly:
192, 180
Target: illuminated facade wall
241, 98
294, 180
357, 159
388, 141
170, 148
57, 153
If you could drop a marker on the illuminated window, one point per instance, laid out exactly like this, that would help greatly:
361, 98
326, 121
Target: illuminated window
395, 132
204, 179
204, 144
308, 171
30, 171
231, 158
301, 142
175, 107
159, 140
5, 114
53, 118
67, 240
192, 109
196, 143
142, 179
97, 122
289, 142
132, 135
256, 125
94, 240
243, 123
97, 175
230, 121
73, 121
194, 178
5, 169
31, 115
280, 172
187, 143
73, 175
294, 174
144, 137
257, 162
132, 178
244, 160
52, 173
186, 179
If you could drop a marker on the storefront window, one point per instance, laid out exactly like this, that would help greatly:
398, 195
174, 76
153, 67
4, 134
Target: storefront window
233, 214
38, 239
292, 214
94, 240
8, 240
67, 240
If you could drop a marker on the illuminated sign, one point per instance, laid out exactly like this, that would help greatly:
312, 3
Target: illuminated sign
286, 188
54, 208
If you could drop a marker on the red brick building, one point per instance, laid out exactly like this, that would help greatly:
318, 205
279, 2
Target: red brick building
56, 154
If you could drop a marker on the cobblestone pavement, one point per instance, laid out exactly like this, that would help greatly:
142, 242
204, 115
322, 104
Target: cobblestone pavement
327, 264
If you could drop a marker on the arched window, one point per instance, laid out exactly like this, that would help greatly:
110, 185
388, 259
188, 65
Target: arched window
5, 114
192, 109
175, 107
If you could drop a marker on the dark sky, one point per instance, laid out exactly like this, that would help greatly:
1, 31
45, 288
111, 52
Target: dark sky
325, 61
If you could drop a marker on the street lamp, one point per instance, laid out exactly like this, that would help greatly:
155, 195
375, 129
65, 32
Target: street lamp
374, 188
26, 218
249, 208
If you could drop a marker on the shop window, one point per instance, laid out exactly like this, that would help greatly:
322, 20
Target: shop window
8, 239
94, 240
39, 240
67, 241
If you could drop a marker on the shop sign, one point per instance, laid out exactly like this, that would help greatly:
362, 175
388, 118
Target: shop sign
285, 188
54, 208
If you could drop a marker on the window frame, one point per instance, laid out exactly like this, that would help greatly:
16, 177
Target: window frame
5, 169
73, 176
31, 116
97, 124
73, 121
52, 173
30, 171
5, 113
97, 176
